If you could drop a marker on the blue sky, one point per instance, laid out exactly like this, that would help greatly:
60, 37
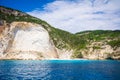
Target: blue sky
72, 15
25, 5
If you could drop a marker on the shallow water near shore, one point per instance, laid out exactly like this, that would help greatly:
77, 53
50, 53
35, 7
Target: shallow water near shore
59, 70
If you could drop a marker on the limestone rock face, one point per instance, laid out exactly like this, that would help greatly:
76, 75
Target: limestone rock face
65, 54
103, 52
23, 40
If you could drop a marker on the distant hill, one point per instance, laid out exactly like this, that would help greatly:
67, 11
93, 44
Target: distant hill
99, 40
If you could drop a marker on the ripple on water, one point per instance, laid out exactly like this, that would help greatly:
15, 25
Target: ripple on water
57, 70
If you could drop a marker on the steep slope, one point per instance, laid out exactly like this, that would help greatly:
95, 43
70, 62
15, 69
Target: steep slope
65, 42
23, 40
61, 38
10, 17
102, 44
25, 37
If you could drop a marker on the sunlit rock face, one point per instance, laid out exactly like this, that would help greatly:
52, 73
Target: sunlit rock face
29, 41
103, 52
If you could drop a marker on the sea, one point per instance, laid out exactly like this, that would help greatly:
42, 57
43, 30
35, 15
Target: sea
59, 70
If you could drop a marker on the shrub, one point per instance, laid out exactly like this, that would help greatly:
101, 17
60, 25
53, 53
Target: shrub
114, 43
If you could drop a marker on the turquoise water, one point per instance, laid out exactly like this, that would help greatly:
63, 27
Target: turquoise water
59, 70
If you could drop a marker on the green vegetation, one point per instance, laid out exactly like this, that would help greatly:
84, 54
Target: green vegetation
111, 38
9, 17
99, 35
114, 43
77, 54
96, 47
63, 39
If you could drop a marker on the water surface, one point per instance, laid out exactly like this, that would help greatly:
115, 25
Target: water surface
59, 70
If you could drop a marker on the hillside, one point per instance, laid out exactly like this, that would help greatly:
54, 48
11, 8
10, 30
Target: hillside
101, 42
62, 40
9, 16
67, 44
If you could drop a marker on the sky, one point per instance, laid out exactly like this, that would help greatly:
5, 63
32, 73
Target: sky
72, 15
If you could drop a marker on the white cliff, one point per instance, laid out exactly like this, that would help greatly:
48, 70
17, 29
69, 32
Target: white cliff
29, 39
26, 41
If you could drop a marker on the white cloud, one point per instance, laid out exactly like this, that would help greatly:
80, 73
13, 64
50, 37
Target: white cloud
79, 15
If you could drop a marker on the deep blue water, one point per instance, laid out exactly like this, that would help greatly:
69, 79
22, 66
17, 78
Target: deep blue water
59, 70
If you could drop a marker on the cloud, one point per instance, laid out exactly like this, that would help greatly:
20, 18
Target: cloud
79, 15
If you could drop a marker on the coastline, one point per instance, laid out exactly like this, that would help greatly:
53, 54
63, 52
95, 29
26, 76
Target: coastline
57, 59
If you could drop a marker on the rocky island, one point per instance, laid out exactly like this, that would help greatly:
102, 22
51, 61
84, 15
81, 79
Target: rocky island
25, 37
